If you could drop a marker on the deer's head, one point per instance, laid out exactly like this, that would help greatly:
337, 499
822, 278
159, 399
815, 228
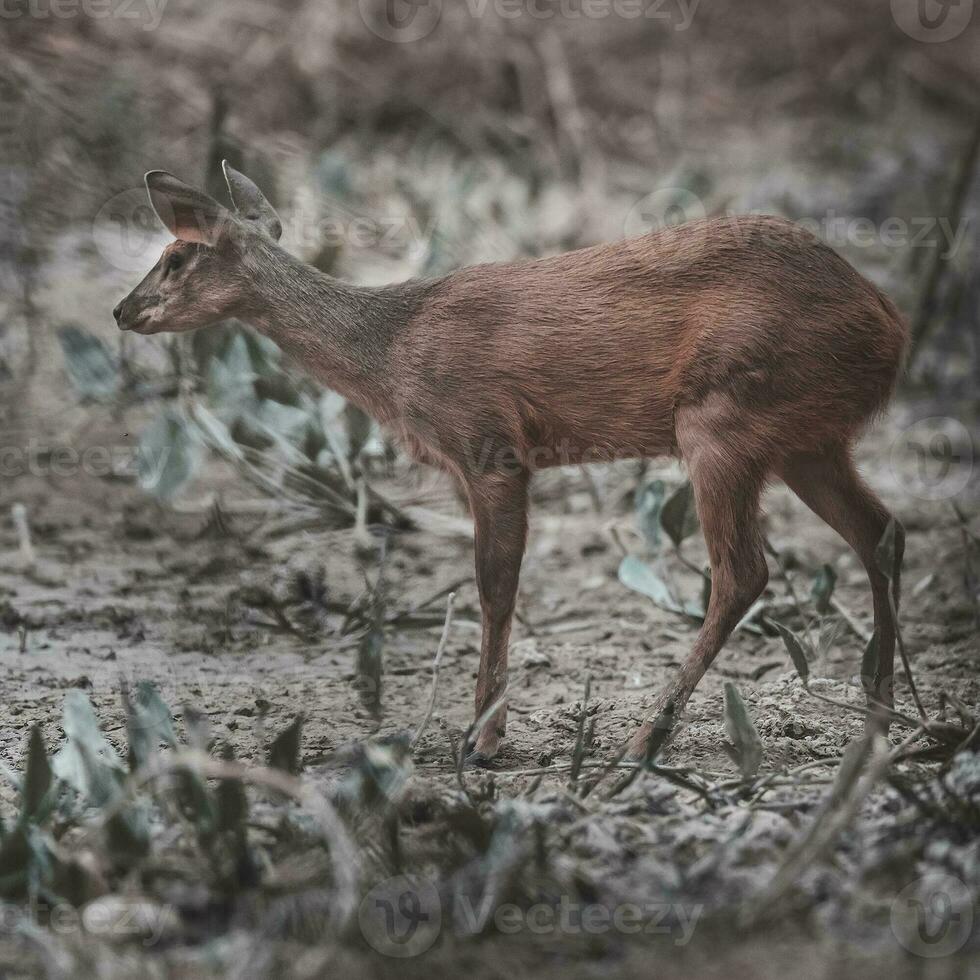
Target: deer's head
202, 277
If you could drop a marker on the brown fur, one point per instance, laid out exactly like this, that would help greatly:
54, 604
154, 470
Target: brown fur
744, 345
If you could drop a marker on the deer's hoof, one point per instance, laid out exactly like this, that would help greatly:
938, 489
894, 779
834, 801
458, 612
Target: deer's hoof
481, 753
637, 750
476, 759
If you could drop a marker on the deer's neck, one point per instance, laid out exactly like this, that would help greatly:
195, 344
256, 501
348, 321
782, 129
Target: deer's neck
339, 333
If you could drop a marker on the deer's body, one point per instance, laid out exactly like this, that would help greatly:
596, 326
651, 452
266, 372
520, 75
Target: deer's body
743, 345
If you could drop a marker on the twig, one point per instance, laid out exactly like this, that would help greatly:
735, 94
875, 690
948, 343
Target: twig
904, 655
580, 740
435, 669
412, 611
862, 634
788, 582
769, 780
857, 777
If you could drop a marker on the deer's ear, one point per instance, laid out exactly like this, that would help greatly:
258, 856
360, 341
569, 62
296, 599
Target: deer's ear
251, 204
189, 214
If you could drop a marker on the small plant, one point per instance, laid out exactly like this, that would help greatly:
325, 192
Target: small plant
286, 437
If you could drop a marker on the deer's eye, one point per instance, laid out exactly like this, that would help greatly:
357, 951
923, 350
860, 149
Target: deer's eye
174, 262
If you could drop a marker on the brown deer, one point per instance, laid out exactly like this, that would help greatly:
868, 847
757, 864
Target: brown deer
745, 346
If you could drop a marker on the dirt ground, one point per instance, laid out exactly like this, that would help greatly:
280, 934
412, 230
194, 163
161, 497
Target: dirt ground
124, 588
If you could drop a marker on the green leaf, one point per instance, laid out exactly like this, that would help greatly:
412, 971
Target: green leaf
148, 723
264, 355
91, 367
284, 423
238, 359
215, 434
37, 778
796, 650
87, 762
168, 454
744, 738
823, 588
649, 504
284, 753
679, 517
358, 425
640, 577
231, 380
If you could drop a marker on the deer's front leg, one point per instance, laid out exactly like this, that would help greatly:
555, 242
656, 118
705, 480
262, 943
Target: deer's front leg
499, 505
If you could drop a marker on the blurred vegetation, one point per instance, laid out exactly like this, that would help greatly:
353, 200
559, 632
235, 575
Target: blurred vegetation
490, 138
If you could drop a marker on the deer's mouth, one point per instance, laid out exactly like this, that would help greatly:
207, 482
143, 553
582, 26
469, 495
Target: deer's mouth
141, 324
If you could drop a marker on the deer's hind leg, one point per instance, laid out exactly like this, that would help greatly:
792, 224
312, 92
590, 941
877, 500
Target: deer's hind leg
728, 476
828, 483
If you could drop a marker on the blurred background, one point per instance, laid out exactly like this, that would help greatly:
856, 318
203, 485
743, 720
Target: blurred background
408, 137
190, 510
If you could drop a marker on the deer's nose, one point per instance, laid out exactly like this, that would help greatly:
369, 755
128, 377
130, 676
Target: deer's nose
117, 312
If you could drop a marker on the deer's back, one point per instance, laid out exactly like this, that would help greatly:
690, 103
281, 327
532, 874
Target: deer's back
600, 345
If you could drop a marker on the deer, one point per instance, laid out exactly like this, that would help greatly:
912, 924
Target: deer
744, 346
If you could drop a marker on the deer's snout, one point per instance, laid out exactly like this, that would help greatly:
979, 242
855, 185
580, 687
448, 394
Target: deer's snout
123, 312
130, 314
